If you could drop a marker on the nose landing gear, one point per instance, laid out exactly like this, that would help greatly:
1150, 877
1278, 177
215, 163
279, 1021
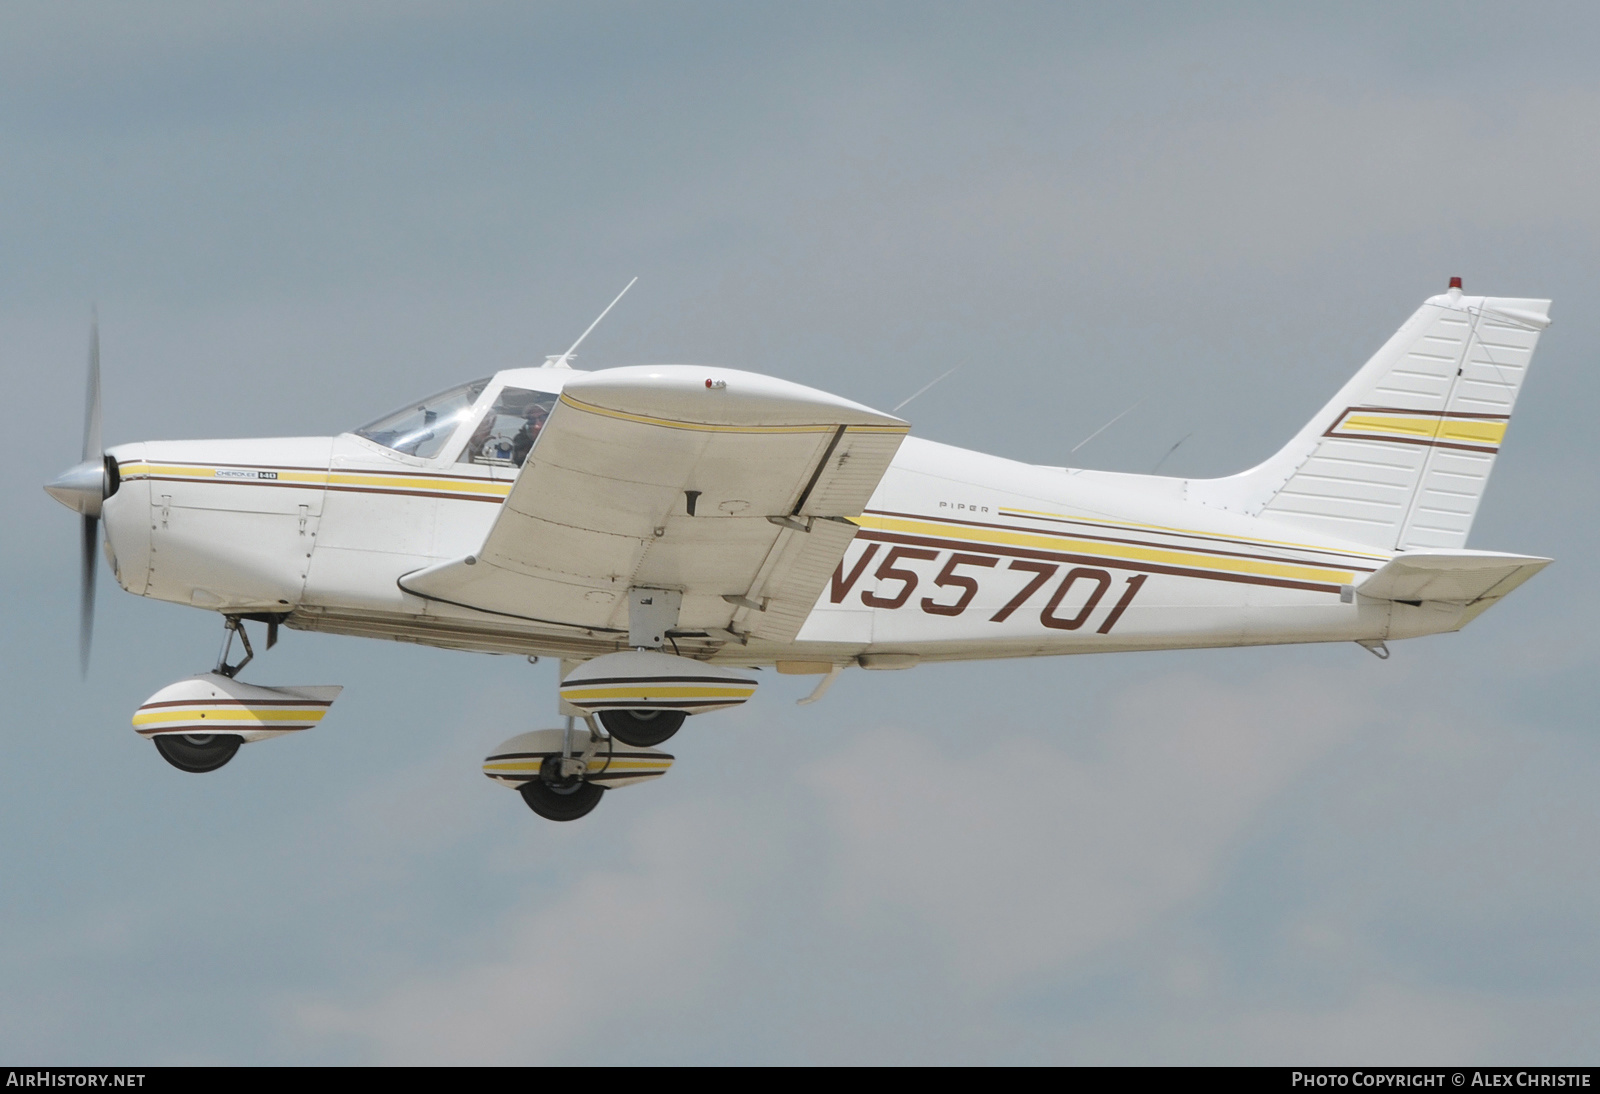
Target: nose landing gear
198, 723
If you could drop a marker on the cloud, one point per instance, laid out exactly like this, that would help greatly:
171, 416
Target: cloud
1022, 855
616, 946
995, 870
1384, 1024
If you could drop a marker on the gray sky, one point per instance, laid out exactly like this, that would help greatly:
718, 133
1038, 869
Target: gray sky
293, 219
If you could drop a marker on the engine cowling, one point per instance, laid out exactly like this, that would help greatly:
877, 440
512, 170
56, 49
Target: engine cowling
646, 680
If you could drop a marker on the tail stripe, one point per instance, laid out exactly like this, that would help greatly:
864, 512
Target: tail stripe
1400, 458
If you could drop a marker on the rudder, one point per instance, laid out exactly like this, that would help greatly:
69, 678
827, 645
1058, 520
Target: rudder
1400, 457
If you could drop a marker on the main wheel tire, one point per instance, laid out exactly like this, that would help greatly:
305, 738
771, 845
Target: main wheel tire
197, 752
642, 728
558, 799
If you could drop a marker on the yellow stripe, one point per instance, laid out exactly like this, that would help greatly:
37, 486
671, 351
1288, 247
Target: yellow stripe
209, 474
668, 423
404, 482
216, 714
1427, 427
1131, 552
321, 478
1114, 525
1472, 431
608, 691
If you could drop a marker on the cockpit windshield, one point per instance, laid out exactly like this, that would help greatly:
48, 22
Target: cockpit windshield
507, 432
421, 429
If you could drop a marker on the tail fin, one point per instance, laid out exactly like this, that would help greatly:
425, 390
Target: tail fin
1400, 457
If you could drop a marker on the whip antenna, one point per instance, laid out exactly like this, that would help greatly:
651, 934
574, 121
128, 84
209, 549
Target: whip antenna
920, 390
561, 361
1107, 426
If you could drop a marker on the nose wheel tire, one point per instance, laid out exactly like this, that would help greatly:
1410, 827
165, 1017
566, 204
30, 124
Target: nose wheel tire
560, 799
197, 752
642, 728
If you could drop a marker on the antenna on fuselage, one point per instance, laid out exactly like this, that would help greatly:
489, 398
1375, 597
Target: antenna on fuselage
1107, 426
1171, 450
921, 389
561, 360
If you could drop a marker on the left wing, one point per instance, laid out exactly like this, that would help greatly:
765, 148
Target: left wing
732, 488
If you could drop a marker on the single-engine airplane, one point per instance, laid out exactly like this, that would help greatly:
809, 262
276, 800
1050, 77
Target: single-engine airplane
664, 530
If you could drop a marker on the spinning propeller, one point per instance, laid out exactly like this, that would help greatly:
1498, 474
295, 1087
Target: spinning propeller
84, 488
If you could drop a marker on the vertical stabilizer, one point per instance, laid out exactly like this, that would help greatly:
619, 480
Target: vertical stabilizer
1400, 457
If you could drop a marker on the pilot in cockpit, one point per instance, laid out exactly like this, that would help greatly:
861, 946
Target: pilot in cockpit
533, 419
507, 432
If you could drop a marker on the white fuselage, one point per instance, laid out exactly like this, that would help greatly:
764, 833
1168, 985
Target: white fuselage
960, 555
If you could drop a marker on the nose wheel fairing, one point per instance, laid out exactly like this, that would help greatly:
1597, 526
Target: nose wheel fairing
198, 723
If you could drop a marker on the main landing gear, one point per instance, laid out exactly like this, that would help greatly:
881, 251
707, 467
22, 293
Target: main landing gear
563, 773
642, 728
562, 790
559, 797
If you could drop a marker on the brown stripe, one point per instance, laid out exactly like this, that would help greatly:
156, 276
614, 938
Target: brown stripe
569, 682
1097, 560
1429, 413
314, 470
541, 756
648, 704
1390, 438
415, 493
1132, 542
241, 703
213, 730
318, 486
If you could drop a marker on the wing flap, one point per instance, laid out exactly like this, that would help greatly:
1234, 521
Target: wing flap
793, 577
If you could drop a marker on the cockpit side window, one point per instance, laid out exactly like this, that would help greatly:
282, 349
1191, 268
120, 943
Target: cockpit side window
507, 432
421, 429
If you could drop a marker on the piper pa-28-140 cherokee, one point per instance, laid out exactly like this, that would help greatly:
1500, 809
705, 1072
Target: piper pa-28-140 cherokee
666, 530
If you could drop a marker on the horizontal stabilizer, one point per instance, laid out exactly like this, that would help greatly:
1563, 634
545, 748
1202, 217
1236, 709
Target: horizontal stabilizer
1455, 576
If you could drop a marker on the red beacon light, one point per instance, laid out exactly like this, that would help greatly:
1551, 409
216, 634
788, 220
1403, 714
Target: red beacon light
1455, 283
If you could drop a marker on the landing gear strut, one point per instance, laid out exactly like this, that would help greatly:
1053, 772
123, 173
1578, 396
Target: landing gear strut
561, 792
560, 798
202, 752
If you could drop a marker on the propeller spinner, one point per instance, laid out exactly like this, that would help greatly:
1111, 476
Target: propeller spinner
84, 489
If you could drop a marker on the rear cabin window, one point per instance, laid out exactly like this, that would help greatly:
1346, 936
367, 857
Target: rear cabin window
506, 435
